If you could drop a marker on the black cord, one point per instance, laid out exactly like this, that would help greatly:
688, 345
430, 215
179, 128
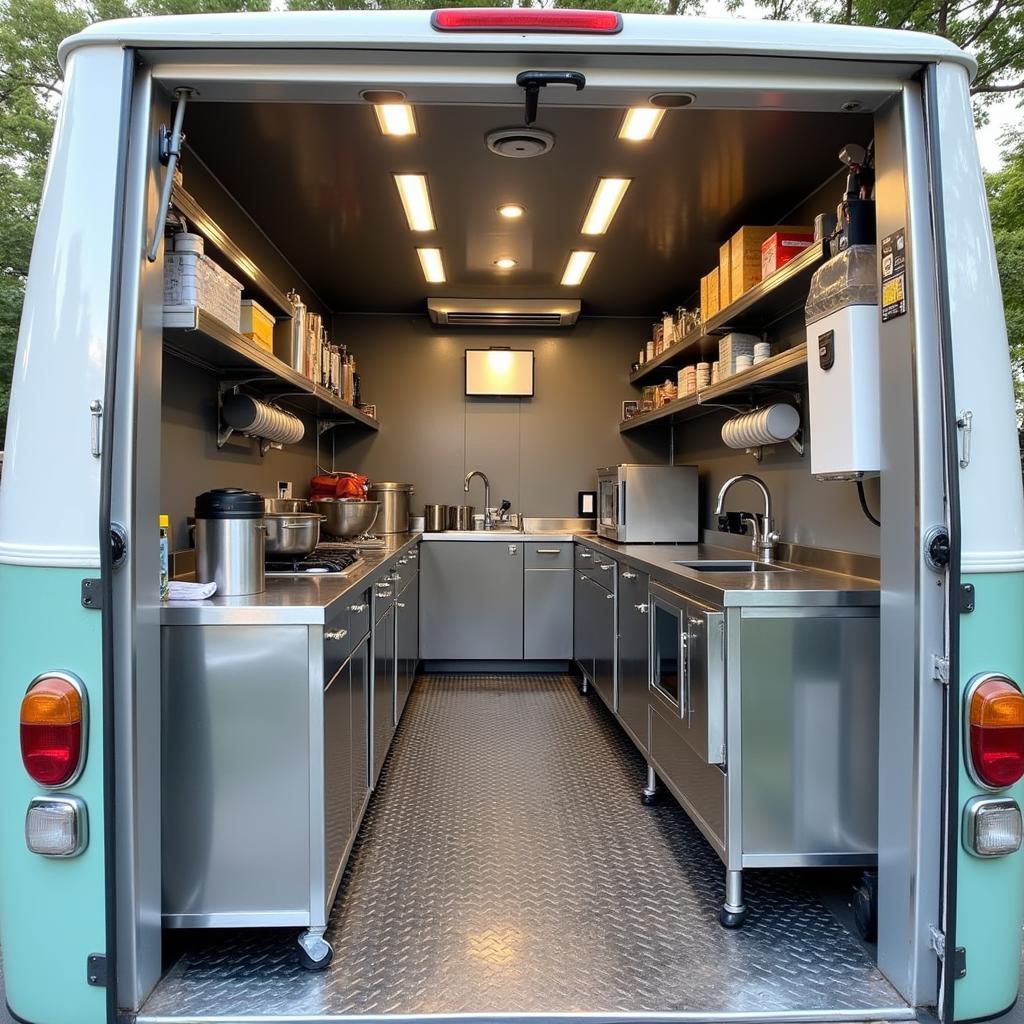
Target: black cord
864, 503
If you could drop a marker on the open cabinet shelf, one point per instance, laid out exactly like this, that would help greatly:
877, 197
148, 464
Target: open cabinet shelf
203, 340
786, 367
782, 293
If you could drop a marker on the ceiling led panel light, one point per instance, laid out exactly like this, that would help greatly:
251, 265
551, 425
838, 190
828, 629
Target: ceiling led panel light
577, 267
604, 204
640, 123
395, 118
432, 264
412, 190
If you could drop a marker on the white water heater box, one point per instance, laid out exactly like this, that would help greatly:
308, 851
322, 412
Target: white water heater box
842, 367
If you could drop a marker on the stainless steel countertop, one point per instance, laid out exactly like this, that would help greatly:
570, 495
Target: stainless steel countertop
502, 535
298, 600
798, 587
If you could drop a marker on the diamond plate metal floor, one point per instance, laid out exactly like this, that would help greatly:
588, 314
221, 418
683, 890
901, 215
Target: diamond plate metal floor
506, 865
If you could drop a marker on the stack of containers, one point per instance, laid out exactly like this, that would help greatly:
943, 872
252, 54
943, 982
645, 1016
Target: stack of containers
192, 280
735, 353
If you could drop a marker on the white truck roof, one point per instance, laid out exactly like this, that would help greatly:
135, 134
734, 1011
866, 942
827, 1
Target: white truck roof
412, 30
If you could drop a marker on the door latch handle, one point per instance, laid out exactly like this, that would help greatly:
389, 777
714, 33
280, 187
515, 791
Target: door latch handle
513, 548
965, 423
335, 634
642, 607
627, 575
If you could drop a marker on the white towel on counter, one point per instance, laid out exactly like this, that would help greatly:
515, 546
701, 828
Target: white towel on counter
181, 591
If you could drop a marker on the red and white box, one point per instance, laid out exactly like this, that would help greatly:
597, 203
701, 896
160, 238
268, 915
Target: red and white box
780, 248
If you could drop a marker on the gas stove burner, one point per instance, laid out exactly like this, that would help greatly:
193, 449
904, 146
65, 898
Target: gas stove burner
320, 563
367, 542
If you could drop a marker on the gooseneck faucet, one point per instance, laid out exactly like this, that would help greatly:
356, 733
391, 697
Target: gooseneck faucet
487, 494
765, 538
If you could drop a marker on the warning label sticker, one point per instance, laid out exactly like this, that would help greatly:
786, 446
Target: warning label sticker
894, 275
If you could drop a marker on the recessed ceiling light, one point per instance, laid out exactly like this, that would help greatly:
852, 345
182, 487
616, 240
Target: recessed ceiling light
606, 201
640, 123
511, 210
395, 118
432, 264
577, 267
506, 263
412, 189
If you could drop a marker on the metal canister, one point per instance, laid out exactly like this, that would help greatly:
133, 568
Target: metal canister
394, 501
230, 540
435, 518
291, 349
460, 517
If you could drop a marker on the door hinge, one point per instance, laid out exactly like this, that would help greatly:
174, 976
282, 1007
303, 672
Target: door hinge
92, 594
938, 945
96, 970
967, 602
940, 669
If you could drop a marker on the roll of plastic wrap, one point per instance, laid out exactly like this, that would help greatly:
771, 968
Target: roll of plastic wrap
770, 425
260, 419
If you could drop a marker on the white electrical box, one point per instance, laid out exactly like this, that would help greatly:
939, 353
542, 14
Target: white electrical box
842, 367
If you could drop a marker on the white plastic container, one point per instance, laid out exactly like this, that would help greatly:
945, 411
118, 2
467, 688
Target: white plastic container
193, 280
842, 367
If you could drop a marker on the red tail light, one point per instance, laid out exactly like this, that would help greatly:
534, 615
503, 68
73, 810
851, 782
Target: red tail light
526, 19
53, 729
995, 721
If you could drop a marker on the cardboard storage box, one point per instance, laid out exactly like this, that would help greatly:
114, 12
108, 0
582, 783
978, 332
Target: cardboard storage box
778, 249
724, 275
713, 301
745, 256
258, 324
731, 346
193, 280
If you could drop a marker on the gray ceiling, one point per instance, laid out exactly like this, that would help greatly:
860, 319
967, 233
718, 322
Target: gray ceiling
317, 179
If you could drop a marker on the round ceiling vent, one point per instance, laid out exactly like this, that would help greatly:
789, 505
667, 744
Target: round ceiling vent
520, 143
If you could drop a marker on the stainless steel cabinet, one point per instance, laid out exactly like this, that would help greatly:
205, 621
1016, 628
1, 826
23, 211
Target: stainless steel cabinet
603, 639
547, 611
687, 670
337, 776
583, 650
359, 681
407, 642
634, 629
383, 702
471, 604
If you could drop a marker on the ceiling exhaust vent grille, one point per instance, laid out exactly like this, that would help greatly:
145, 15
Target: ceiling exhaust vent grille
543, 313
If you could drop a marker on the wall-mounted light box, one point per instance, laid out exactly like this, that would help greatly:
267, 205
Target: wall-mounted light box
499, 372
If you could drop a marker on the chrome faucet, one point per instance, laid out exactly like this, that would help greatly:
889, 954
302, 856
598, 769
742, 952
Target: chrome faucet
764, 537
487, 494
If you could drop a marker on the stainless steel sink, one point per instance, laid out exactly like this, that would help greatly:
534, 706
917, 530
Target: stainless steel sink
731, 565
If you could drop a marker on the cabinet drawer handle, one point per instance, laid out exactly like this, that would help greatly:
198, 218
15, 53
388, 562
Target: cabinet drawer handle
395, 576
357, 608
336, 634
548, 551
695, 621
607, 565
586, 554
399, 604
642, 608
403, 561
513, 548
412, 554
611, 597
627, 575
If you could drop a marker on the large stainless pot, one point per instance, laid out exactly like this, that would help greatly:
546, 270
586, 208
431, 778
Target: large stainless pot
347, 517
394, 501
435, 518
292, 534
275, 505
230, 536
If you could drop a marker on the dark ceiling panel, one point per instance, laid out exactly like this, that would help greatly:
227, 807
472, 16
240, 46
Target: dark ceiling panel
317, 178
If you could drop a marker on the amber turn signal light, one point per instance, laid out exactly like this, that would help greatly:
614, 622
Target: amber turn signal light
53, 714
995, 725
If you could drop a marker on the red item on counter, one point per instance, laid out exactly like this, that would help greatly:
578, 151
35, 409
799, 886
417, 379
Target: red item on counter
338, 485
780, 248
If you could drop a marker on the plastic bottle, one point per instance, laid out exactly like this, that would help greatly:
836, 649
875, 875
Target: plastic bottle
165, 557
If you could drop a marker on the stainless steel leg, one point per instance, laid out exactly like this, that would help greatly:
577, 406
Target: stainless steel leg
733, 911
649, 794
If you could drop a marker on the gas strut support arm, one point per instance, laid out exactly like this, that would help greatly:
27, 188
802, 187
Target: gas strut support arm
533, 81
170, 150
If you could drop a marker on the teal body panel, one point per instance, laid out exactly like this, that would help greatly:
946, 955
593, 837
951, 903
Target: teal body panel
989, 892
52, 911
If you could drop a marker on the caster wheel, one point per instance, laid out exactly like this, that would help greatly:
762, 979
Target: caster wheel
865, 907
314, 954
732, 919
649, 799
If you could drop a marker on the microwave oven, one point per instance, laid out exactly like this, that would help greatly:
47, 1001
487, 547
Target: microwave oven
647, 504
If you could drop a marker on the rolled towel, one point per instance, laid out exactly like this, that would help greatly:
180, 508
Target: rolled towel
181, 591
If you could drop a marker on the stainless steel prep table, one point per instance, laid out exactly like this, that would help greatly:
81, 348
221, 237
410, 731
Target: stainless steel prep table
761, 692
267, 744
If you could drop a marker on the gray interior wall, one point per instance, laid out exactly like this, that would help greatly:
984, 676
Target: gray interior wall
538, 452
191, 461
806, 511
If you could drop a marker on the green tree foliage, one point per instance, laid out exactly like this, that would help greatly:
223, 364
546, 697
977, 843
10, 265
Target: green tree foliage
1006, 204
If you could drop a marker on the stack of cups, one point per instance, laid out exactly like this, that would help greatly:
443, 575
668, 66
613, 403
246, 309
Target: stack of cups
714, 372
743, 363
703, 375
762, 350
